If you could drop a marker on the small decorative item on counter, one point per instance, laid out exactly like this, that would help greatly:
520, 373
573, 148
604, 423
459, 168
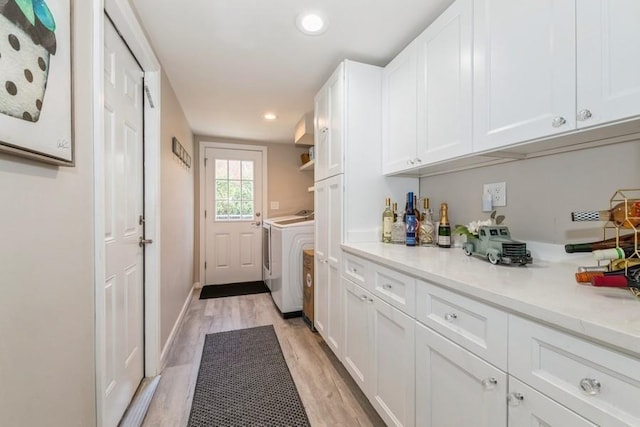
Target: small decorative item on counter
495, 243
444, 228
304, 158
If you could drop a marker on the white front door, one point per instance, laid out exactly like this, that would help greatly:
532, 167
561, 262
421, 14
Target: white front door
233, 218
123, 367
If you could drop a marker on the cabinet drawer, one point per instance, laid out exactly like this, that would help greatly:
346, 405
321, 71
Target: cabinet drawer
395, 288
473, 325
354, 268
599, 383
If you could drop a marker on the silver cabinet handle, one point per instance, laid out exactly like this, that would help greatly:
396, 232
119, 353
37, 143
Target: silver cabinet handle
584, 115
142, 242
590, 386
450, 317
370, 300
489, 383
514, 399
418, 160
354, 270
411, 162
324, 130
363, 298
387, 286
558, 121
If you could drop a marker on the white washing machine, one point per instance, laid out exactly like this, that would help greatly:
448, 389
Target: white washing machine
288, 239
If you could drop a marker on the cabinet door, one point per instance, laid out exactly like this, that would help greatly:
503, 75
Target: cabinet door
455, 388
444, 85
321, 247
608, 55
399, 111
528, 408
321, 134
333, 233
335, 114
524, 71
357, 340
392, 389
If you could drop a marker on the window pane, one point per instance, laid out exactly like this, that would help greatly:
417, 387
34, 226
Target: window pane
247, 210
235, 192
234, 210
247, 171
222, 210
222, 189
234, 169
221, 169
247, 190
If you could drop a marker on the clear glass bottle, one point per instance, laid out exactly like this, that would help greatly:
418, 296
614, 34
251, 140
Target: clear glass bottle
427, 228
398, 231
625, 214
387, 221
444, 228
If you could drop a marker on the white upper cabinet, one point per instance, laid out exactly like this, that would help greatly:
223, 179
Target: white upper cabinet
445, 85
608, 57
399, 111
329, 129
524, 71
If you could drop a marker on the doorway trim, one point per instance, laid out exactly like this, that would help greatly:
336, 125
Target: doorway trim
124, 18
230, 146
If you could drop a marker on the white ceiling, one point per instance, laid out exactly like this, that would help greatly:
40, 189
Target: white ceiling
231, 61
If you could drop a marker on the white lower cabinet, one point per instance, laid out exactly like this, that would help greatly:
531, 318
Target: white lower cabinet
455, 388
529, 408
379, 353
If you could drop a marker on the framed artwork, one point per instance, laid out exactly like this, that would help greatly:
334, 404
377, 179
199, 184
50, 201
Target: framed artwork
35, 80
179, 151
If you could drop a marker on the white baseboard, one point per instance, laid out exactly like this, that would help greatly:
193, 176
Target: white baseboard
174, 331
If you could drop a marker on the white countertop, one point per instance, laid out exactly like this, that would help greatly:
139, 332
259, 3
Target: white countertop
545, 291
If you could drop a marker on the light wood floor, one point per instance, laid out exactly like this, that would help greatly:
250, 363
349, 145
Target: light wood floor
328, 393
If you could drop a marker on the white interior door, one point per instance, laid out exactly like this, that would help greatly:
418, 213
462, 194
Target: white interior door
233, 227
124, 264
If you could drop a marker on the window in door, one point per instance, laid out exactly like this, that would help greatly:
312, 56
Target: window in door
234, 198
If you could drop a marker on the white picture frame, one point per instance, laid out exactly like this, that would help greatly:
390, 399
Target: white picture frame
46, 132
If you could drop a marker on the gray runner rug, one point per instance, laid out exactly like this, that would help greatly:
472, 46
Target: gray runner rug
244, 381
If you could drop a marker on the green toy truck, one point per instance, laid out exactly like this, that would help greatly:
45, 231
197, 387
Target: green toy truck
494, 242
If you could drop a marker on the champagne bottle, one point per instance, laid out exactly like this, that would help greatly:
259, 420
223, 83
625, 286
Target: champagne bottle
625, 214
426, 231
411, 222
600, 244
444, 229
387, 221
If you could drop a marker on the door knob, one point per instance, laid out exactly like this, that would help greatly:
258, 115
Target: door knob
584, 115
558, 121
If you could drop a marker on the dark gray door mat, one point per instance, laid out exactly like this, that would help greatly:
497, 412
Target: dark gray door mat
233, 289
244, 381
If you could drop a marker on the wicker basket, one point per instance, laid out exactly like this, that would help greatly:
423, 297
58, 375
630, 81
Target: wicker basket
304, 157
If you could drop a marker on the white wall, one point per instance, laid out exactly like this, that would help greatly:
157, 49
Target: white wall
46, 272
177, 212
542, 192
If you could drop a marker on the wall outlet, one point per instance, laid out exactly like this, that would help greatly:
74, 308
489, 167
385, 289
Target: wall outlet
498, 191
275, 206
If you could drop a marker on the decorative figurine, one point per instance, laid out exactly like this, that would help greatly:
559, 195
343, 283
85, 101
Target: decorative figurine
494, 242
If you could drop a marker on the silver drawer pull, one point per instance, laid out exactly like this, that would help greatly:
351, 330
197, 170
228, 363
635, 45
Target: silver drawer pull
450, 317
514, 399
354, 270
364, 298
590, 386
387, 286
584, 115
558, 121
489, 383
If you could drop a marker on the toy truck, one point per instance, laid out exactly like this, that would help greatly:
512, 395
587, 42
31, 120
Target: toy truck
495, 243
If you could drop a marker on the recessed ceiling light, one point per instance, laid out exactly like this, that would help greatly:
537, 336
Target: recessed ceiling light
311, 23
270, 116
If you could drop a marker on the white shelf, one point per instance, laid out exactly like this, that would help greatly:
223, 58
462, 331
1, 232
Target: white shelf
307, 166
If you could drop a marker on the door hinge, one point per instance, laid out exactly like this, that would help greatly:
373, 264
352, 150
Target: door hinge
205, 265
141, 220
205, 162
205, 214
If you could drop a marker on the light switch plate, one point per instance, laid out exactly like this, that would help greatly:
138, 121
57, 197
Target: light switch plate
275, 206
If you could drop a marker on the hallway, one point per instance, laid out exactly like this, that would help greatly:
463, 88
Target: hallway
329, 395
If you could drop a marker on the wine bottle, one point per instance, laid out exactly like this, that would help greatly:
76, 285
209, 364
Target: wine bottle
395, 212
613, 253
625, 214
615, 281
426, 231
587, 276
411, 222
600, 244
398, 232
387, 221
444, 228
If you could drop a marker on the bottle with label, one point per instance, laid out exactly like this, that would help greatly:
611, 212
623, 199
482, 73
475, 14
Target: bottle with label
444, 228
426, 233
625, 214
395, 212
411, 222
398, 231
387, 221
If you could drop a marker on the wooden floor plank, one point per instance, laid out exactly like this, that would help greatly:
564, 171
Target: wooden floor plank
330, 396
